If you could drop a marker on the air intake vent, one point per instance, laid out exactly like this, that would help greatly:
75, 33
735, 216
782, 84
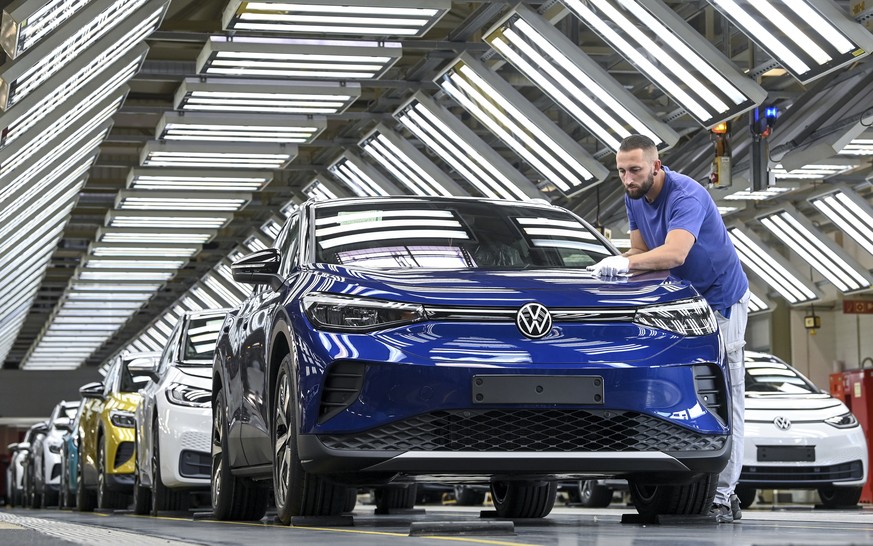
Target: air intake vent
710, 386
341, 387
124, 453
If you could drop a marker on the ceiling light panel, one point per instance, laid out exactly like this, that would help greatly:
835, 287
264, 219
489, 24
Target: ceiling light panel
218, 155
321, 190
152, 219
760, 195
673, 56
407, 18
147, 236
758, 304
462, 150
407, 164
181, 201
70, 41
848, 211
362, 178
809, 38
205, 127
143, 250
819, 251
771, 267
26, 22
271, 228
858, 147
265, 96
197, 180
297, 58
575, 81
817, 171
520, 125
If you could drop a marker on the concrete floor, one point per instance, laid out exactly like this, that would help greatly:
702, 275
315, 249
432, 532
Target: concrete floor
565, 526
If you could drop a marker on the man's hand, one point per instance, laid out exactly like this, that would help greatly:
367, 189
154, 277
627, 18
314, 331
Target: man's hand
611, 266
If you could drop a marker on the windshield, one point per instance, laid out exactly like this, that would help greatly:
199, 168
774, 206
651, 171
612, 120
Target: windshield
200, 340
453, 234
773, 376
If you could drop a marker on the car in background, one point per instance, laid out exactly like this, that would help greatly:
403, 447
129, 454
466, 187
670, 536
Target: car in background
107, 430
31, 438
46, 455
70, 462
404, 339
173, 446
15, 474
798, 437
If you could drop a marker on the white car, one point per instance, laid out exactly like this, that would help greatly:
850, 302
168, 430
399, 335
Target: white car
46, 455
174, 419
798, 437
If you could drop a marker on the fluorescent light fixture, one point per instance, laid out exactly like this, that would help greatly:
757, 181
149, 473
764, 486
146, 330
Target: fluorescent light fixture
181, 201
256, 242
132, 275
575, 81
816, 171
26, 22
250, 56
167, 219
361, 177
770, 267
132, 263
323, 189
819, 251
226, 291
144, 178
761, 195
808, 38
73, 40
849, 212
126, 236
266, 96
462, 150
724, 211
409, 18
520, 125
224, 272
290, 207
212, 155
673, 56
153, 249
407, 164
861, 146
211, 127
272, 227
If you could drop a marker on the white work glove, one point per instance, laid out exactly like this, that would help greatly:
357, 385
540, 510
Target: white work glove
611, 266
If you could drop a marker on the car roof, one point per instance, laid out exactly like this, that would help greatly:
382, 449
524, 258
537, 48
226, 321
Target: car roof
375, 200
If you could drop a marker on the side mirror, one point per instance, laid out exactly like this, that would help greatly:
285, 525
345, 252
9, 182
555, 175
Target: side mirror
261, 267
144, 366
41, 428
64, 423
92, 390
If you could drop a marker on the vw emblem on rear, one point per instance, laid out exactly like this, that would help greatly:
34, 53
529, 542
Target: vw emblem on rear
782, 423
534, 320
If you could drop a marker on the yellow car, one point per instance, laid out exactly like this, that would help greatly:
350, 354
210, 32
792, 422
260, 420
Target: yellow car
107, 434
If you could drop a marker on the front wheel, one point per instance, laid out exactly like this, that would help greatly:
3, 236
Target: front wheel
694, 498
524, 499
297, 493
106, 498
594, 495
163, 498
839, 497
747, 495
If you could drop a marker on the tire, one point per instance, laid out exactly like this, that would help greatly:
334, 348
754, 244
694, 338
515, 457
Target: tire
694, 498
233, 499
297, 493
106, 498
163, 498
390, 497
142, 497
85, 500
63, 498
50, 498
839, 497
523, 499
747, 495
351, 499
468, 496
594, 495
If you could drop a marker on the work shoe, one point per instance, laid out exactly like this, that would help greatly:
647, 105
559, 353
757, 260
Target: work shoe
722, 513
735, 507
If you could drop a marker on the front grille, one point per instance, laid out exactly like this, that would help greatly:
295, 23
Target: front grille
56, 470
710, 386
552, 430
123, 453
810, 474
195, 464
342, 384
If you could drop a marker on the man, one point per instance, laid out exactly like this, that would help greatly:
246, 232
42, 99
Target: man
675, 225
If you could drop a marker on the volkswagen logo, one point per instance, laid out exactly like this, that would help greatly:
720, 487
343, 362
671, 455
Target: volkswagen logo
533, 320
782, 423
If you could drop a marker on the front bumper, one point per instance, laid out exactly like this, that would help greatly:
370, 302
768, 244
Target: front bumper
186, 445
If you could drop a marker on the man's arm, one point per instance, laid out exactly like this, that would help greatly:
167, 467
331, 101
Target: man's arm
667, 256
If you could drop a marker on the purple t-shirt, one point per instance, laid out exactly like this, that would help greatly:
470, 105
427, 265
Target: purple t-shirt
712, 265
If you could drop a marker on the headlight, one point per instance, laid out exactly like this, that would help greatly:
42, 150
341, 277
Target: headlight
846, 420
356, 314
687, 317
123, 419
192, 397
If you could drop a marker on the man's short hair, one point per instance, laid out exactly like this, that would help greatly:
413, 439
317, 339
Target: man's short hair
637, 142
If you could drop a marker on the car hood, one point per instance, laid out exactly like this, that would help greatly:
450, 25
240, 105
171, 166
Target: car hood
502, 288
194, 376
797, 407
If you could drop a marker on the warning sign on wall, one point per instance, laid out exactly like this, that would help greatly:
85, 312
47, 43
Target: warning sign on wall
858, 307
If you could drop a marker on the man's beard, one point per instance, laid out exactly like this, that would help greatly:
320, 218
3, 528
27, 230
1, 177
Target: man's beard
637, 193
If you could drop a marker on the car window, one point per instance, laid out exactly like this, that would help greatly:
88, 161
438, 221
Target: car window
170, 351
112, 378
200, 340
469, 234
776, 377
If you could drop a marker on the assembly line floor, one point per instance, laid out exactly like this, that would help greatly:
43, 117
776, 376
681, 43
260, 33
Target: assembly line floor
441, 524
